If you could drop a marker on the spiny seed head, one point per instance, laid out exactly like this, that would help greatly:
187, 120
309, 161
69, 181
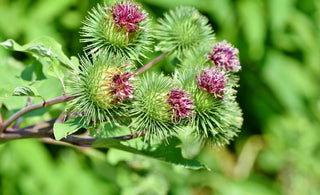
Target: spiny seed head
150, 110
183, 29
213, 81
127, 15
101, 83
215, 121
225, 56
181, 103
120, 29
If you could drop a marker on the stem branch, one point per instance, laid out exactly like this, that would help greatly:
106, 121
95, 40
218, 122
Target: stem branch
88, 141
39, 130
30, 108
44, 131
150, 64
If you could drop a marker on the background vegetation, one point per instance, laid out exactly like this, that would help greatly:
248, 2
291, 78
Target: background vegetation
278, 150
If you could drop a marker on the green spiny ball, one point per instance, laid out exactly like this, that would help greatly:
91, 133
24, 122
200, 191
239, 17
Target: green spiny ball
217, 121
107, 29
151, 111
195, 59
98, 89
183, 29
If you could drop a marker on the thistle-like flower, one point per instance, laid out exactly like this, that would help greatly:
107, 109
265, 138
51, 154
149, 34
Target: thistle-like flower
119, 29
215, 121
182, 30
225, 56
150, 110
127, 15
102, 85
181, 103
213, 81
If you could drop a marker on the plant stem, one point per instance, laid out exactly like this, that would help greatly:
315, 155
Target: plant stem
44, 131
88, 141
150, 64
30, 108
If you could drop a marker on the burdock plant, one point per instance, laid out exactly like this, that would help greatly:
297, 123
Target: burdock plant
105, 91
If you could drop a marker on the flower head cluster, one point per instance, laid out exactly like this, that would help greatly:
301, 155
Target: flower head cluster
118, 33
225, 56
127, 15
122, 87
213, 81
181, 103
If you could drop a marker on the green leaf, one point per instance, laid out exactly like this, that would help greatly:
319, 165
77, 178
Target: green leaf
169, 153
9, 80
33, 72
55, 70
49, 88
23, 91
75, 62
61, 130
26, 91
41, 47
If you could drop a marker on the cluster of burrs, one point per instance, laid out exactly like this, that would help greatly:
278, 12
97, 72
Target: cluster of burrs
199, 95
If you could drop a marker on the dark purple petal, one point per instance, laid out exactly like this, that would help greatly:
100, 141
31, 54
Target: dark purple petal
181, 103
213, 81
225, 56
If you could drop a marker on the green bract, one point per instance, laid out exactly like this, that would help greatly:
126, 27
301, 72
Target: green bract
151, 111
103, 35
194, 59
183, 29
93, 86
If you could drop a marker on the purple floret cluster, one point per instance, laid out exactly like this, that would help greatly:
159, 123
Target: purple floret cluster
225, 56
127, 15
213, 81
181, 103
122, 87
225, 59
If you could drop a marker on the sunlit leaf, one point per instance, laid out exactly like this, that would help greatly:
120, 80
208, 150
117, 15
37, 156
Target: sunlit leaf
41, 47
61, 130
33, 72
23, 91
26, 91
55, 70
170, 153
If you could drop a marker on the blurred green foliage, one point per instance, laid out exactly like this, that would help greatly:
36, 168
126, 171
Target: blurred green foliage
277, 151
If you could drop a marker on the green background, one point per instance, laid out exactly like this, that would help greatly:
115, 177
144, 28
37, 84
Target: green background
277, 151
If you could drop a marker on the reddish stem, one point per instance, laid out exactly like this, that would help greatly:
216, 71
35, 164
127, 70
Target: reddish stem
150, 64
44, 131
30, 108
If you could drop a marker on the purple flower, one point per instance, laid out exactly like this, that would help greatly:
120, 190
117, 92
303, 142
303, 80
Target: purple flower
181, 103
213, 81
121, 86
225, 56
127, 15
